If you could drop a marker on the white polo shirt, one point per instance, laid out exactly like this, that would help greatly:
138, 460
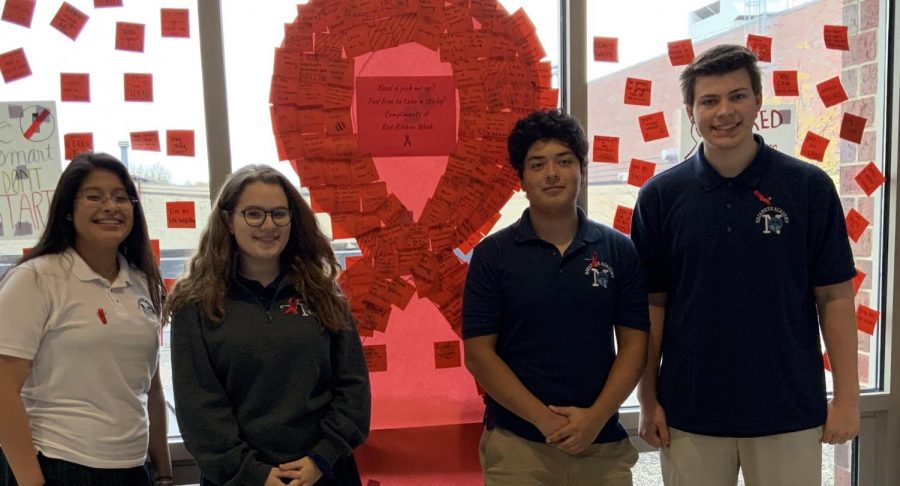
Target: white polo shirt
86, 395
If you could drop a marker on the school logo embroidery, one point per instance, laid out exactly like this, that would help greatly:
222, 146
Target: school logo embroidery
147, 308
600, 272
772, 219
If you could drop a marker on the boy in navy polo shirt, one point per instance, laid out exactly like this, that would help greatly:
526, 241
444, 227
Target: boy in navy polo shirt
543, 299
746, 256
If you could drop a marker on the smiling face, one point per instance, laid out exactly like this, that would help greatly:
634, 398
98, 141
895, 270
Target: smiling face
724, 111
103, 213
551, 177
259, 246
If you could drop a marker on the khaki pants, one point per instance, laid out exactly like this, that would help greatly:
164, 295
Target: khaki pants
509, 460
792, 459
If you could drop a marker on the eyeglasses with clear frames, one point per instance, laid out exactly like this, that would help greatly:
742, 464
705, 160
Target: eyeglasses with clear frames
98, 199
257, 216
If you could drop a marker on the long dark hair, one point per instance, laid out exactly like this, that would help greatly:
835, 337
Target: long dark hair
59, 235
307, 256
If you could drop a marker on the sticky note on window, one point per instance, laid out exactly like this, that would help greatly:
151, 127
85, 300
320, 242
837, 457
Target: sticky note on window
653, 126
637, 91
74, 87
180, 214
14, 65
640, 172
606, 149
866, 319
175, 22
69, 20
180, 143
814, 146
870, 178
606, 49
761, 46
852, 127
129, 37
826, 362
447, 355
836, 37
154, 248
145, 141
169, 284
373, 482
77, 143
785, 83
681, 52
107, 3
856, 224
832, 92
138, 87
858, 281
18, 12
376, 357
622, 219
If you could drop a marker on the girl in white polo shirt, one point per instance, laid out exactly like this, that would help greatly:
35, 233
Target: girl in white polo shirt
81, 402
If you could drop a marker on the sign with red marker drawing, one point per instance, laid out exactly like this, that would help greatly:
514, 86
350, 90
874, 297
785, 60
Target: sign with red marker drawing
30, 165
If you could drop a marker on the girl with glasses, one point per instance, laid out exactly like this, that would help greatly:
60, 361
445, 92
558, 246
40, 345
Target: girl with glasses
270, 380
81, 401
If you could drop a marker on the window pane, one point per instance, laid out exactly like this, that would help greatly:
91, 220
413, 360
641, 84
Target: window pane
796, 28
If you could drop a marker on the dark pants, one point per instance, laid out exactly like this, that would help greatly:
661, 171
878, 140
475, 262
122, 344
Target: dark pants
63, 473
345, 474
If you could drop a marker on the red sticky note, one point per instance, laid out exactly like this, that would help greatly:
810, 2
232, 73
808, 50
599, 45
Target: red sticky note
640, 172
180, 143
852, 127
376, 357
831, 91
622, 220
154, 248
814, 146
858, 281
826, 362
26, 251
856, 224
653, 126
138, 87
169, 284
606, 49
129, 37
74, 87
373, 482
180, 214
785, 83
175, 22
447, 355
18, 12
866, 319
836, 37
681, 52
14, 65
77, 143
107, 3
637, 91
69, 20
606, 149
870, 178
145, 141
761, 46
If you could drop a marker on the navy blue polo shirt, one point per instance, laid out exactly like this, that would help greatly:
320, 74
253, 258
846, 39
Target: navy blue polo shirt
554, 315
739, 258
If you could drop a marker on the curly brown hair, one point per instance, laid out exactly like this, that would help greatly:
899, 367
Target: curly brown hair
307, 256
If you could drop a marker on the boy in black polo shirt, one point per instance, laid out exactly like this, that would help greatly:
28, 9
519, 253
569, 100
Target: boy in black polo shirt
542, 299
746, 255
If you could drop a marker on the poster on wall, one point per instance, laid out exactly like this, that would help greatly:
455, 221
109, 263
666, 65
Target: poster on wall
30, 166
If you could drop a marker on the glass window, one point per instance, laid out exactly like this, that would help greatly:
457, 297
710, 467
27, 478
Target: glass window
797, 32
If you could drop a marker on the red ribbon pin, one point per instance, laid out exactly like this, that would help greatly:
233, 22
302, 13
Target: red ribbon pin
765, 200
595, 262
102, 316
292, 306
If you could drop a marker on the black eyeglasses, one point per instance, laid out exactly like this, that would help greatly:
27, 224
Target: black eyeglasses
257, 216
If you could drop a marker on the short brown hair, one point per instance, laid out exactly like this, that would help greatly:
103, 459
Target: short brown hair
721, 59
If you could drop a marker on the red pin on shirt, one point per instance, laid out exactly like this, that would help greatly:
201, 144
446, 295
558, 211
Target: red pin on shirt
102, 316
